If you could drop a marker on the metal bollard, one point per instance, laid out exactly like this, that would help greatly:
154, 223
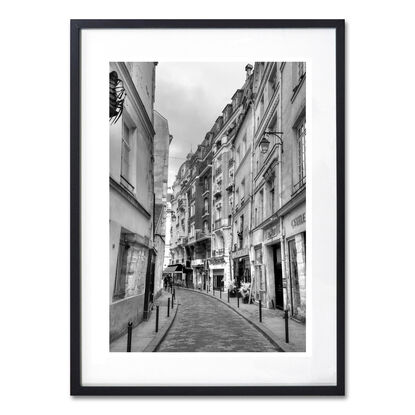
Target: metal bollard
168, 307
220, 293
174, 293
129, 335
157, 318
286, 326
228, 296
172, 302
237, 298
260, 311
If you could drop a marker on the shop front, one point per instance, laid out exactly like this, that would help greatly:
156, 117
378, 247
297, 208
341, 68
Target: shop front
218, 279
198, 266
295, 246
218, 273
241, 266
175, 274
273, 253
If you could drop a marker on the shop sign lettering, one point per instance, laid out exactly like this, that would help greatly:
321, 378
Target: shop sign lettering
241, 252
299, 220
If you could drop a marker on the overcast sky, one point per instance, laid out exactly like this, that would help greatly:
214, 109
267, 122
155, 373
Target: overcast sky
191, 96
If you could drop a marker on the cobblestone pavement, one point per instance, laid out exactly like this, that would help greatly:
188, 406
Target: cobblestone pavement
203, 324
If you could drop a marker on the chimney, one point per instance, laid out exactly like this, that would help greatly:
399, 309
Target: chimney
248, 69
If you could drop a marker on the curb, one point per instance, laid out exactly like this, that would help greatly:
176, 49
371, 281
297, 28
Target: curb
263, 330
159, 337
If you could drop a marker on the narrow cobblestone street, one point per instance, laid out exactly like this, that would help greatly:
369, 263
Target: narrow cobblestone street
205, 325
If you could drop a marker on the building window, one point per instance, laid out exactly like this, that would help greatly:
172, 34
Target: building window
206, 185
272, 82
272, 197
125, 152
206, 207
301, 135
192, 229
242, 191
241, 232
205, 227
192, 209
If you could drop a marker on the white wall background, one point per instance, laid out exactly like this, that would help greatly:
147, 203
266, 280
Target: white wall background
34, 163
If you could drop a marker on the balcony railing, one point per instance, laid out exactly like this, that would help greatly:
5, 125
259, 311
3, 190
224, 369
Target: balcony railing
218, 171
218, 223
218, 191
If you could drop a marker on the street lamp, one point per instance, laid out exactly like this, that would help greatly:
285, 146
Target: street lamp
264, 143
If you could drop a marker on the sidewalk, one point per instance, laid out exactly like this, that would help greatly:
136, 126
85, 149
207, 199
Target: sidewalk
144, 337
273, 323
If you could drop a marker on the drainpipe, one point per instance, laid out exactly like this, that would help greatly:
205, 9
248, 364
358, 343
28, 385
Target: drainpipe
283, 259
232, 215
250, 240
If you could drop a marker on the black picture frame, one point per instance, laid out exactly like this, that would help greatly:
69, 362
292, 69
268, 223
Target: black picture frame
76, 387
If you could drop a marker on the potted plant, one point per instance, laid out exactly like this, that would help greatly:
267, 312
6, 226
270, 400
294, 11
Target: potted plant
245, 291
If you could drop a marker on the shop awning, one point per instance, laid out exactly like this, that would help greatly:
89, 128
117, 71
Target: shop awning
171, 268
176, 268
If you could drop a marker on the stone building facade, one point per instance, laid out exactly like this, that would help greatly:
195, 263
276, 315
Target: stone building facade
132, 224
255, 194
278, 199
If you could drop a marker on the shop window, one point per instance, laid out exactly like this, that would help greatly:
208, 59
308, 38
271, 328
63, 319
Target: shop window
295, 286
121, 271
258, 271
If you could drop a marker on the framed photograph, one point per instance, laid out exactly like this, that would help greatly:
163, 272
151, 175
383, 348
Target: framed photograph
207, 207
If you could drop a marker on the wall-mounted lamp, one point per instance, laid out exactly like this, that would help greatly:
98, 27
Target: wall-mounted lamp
117, 97
264, 143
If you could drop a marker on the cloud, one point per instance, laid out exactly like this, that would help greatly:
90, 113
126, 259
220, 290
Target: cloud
191, 96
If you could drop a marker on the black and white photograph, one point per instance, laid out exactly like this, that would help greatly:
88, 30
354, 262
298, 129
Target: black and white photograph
211, 207
207, 202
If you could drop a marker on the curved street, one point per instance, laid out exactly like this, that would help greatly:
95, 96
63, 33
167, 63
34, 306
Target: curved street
203, 324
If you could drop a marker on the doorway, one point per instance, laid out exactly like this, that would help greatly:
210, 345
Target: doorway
279, 291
